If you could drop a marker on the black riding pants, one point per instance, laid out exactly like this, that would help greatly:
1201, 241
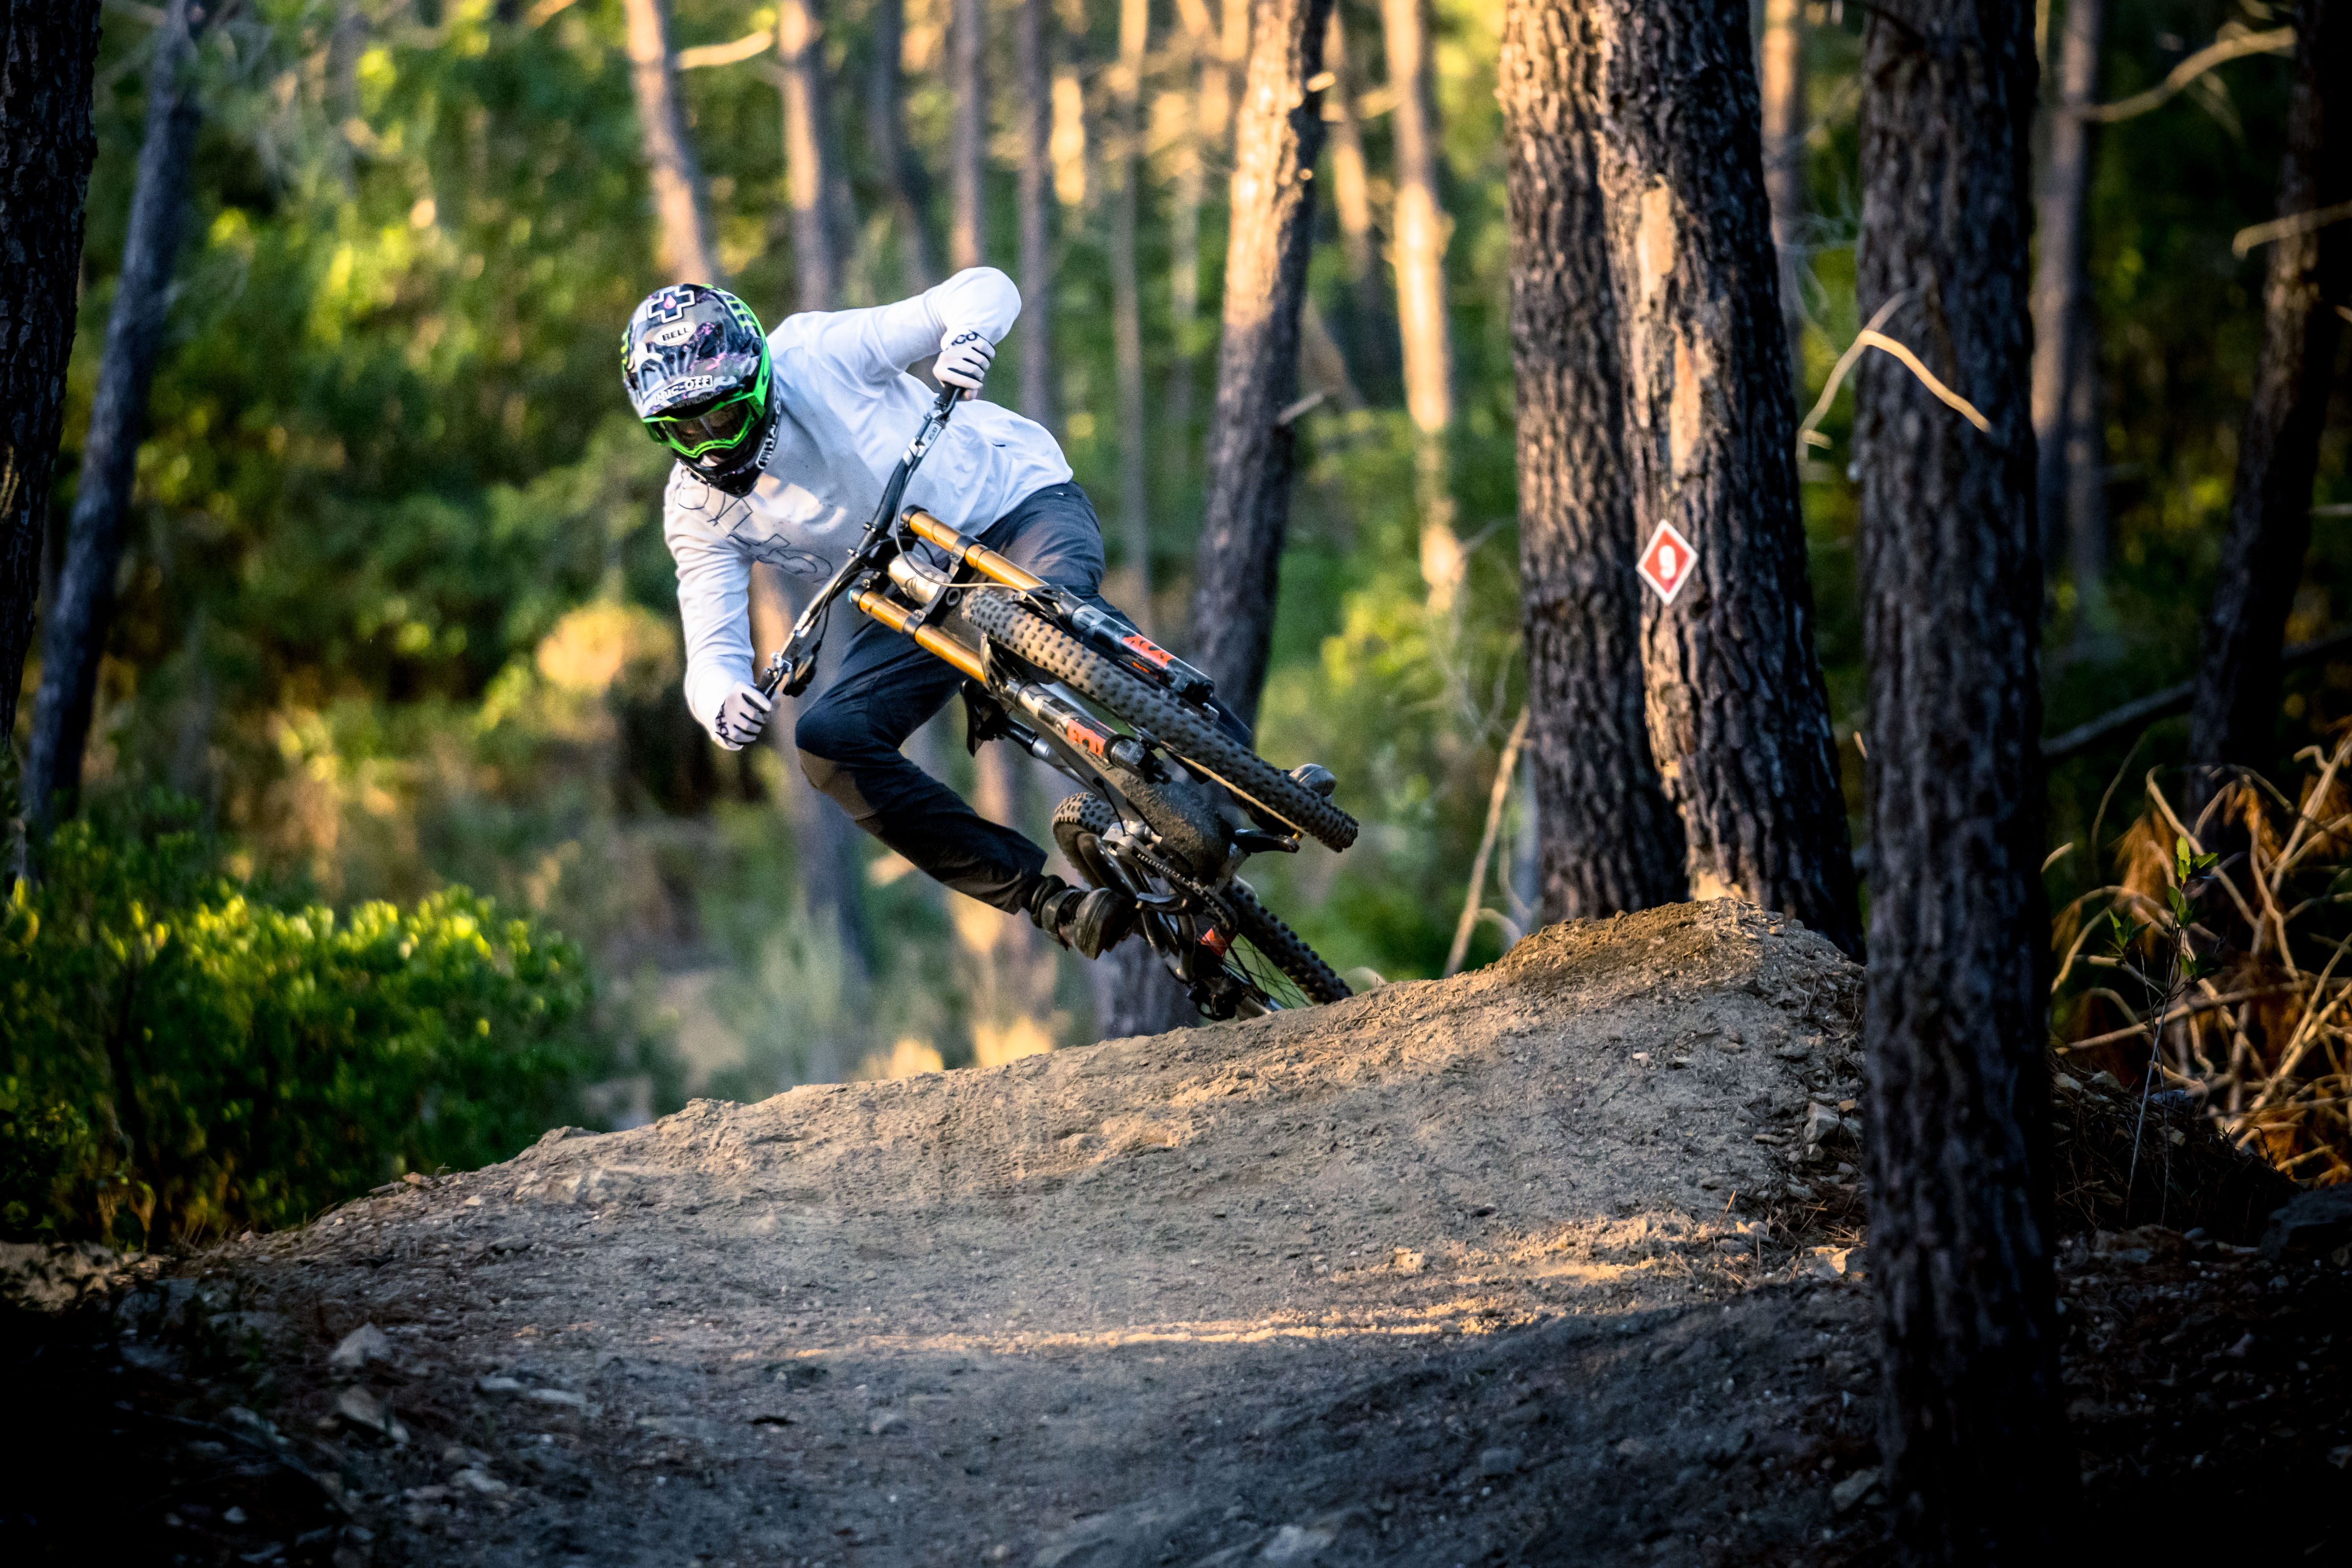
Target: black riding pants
849, 735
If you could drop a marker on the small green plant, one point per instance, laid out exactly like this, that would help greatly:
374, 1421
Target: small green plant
185, 1055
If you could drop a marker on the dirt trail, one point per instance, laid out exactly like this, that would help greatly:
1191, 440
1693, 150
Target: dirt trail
1543, 1264
1146, 1302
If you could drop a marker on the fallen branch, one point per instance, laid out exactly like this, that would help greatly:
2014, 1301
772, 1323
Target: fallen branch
1870, 337
2173, 699
2221, 51
2186, 1010
1471, 905
706, 55
2287, 228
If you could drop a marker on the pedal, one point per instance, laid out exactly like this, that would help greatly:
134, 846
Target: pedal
1316, 777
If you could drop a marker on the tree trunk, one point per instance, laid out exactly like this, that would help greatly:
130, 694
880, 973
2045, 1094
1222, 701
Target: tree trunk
2069, 440
1247, 508
1127, 304
816, 260
75, 632
1971, 1431
1738, 713
1035, 110
1608, 839
1351, 202
825, 841
1781, 76
1013, 963
886, 135
2235, 719
686, 254
1190, 189
48, 52
1421, 297
968, 157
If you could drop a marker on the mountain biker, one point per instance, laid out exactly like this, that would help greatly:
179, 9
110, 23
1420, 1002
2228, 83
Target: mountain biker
783, 442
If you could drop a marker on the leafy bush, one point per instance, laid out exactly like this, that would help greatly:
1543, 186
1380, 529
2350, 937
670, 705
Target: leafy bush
185, 1055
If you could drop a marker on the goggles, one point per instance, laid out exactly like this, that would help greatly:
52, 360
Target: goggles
716, 426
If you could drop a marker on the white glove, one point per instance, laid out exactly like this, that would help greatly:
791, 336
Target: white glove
741, 717
964, 358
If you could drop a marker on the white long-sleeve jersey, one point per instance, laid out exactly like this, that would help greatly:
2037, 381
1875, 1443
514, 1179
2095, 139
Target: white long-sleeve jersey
849, 409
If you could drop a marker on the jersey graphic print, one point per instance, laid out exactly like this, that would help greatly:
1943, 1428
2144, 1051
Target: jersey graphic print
780, 523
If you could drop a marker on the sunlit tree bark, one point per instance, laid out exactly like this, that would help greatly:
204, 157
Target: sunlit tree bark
1781, 73
1126, 91
75, 628
885, 136
1972, 1433
967, 150
1033, 111
809, 179
1423, 323
1351, 203
1738, 712
2069, 436
2235, 718
1249, 453
1608, 840
687, 253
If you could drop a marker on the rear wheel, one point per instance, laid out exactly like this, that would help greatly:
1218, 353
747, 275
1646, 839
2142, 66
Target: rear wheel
1268, 962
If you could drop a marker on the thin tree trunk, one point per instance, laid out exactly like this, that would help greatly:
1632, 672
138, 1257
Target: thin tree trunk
1351, 202
886, 134
1422, 319
1738, 713
1190, 189
1248, 509
817, 261
968, 157
1126, 304
2065, 367
2234, 720
831, 872
1035, 110
1781, 77
1971, 1430
75, 631
48, 53
1608, 839
686, 254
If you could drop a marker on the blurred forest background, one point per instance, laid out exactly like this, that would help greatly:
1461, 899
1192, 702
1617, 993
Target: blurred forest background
394, 614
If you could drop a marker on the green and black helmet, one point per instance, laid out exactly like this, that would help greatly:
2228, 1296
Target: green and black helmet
696, 365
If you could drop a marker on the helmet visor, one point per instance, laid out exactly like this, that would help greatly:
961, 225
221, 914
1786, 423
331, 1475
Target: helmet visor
700, 429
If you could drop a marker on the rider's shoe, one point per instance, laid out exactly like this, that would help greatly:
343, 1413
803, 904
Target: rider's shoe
1316, 777
1090, 920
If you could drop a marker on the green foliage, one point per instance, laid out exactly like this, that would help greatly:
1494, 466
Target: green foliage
186, 1055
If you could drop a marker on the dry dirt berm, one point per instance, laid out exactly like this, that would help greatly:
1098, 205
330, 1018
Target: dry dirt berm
1546, 1263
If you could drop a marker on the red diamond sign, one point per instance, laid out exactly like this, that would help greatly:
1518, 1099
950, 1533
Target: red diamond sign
1666, 561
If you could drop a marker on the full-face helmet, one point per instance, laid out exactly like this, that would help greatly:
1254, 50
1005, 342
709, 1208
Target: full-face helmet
696, 365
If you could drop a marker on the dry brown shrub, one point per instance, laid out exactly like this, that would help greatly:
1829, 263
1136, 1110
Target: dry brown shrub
2243, 1011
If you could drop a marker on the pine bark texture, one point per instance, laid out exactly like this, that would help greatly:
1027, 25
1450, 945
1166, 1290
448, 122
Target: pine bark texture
48, 51
968, 153
1738, 710
2069, 437
1035, 108
1125, 83
816, 259
74, 630
1247, 509
1425, 330
1609, 840
1970, 1432
2235, 716
1781, 75
910, 190
687, 253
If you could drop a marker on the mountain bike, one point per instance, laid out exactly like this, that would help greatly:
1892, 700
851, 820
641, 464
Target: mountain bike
1172, 800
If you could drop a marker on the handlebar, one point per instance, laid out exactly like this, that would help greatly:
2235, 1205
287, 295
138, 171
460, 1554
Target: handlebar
794, 665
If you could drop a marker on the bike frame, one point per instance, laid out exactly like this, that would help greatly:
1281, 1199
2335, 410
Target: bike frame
1043, 718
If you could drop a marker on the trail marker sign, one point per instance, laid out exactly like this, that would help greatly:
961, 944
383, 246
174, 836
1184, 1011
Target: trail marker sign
1666, 561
